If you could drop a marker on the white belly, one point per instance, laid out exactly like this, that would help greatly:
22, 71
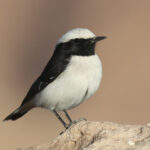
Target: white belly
78, 82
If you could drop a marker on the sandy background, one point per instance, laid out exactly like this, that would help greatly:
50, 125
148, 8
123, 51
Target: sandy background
28, 32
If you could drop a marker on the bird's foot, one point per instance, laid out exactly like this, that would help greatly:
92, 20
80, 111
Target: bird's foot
67, 126
74, 122
78, 120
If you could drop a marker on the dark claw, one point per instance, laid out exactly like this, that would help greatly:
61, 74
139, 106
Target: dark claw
74, 122
67, 126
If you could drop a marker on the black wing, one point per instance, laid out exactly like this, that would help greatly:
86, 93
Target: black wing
53, 69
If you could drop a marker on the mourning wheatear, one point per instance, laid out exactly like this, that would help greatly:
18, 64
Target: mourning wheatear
72, 75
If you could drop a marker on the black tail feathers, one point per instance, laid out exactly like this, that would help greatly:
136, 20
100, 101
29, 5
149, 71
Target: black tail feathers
16, 114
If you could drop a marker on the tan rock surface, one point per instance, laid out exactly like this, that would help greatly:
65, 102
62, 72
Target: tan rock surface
88, 135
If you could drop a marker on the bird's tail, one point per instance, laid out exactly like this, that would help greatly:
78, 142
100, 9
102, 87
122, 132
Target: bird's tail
16, 114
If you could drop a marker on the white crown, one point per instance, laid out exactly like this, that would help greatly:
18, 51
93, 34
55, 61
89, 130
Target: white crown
78, 33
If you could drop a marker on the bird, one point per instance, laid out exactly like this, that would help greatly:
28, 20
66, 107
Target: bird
72, 75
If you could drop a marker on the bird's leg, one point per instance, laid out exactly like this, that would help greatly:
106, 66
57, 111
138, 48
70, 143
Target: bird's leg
61, 120
68, 117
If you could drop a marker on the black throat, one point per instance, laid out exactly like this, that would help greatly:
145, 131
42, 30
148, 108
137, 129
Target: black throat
79, 47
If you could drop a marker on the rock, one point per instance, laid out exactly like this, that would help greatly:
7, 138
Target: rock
88, 135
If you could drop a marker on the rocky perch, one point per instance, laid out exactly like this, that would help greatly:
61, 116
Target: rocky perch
89, 135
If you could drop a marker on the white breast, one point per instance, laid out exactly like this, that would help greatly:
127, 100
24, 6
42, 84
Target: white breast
78, 82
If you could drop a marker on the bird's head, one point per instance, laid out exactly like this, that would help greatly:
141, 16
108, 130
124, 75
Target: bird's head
79, 41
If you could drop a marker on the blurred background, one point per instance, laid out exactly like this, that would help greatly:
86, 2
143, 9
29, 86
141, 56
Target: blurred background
28, 32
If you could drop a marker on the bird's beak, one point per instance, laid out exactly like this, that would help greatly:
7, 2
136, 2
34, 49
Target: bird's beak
99, 38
